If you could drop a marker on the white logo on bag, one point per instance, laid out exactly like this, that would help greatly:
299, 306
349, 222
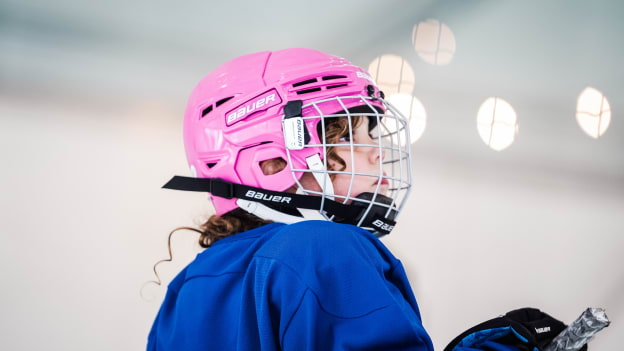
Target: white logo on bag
262, 196
542, 330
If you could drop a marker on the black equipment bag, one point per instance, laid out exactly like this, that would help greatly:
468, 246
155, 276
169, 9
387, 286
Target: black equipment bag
525, 329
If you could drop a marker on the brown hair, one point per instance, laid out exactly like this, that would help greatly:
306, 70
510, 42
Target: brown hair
238, 220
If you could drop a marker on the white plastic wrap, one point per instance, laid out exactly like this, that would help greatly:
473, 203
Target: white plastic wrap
579, 332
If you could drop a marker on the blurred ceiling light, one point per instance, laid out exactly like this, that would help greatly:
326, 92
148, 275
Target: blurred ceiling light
497, 123
593, 113
393, 74
414, 111
434, 42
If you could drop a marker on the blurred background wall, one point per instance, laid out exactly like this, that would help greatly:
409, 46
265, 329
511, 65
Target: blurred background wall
521, 206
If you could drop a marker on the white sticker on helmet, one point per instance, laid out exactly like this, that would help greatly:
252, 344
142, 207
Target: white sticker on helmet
365, 76
294, 133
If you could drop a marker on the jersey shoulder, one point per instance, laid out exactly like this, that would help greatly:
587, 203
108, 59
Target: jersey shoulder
312, 241
343, 265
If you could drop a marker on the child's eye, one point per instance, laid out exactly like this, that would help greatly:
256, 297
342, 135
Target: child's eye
344, 139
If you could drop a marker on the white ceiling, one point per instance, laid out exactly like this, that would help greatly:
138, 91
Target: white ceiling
536, 55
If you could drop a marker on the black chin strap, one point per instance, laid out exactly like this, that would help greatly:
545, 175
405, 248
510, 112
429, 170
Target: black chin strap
221, 188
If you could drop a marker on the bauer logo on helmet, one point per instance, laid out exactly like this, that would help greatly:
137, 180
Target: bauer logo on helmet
257, 104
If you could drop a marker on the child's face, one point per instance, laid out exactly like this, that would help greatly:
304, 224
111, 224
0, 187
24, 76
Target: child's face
366, 159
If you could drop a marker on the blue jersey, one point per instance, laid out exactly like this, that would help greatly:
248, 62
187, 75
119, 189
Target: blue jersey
313, 285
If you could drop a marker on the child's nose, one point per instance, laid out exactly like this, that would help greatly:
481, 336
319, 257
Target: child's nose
374, 152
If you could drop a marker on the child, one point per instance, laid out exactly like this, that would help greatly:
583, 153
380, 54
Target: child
307, 165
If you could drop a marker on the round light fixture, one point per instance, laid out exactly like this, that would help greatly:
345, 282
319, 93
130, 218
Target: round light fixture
434, 42
412, 109
393, 74
497, 123
593, 112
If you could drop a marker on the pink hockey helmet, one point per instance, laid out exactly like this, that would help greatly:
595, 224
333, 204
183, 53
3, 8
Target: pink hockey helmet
234, 119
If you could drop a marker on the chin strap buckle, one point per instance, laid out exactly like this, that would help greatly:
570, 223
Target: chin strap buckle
221, 188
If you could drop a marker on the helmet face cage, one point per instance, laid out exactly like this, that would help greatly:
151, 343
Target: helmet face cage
391, 138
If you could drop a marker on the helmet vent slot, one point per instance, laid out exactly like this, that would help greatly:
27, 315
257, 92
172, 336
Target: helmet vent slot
333, 77
308, 91
336, 86
211, 164
223, 101
206, 110
304, 82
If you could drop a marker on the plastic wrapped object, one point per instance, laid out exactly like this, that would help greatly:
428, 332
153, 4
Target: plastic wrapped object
579, 332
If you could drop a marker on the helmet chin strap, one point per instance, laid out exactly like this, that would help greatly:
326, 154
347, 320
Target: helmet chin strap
322, 178
265, 212
373, 212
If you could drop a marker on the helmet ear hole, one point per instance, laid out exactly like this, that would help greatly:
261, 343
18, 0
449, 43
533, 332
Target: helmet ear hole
272, 166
